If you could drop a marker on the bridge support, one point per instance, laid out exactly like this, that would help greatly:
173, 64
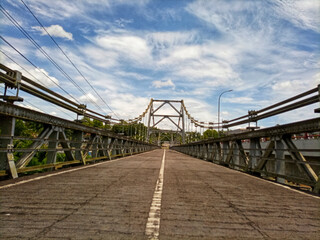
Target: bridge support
7, 127
271, 152
176, 119
73, 142
280, 167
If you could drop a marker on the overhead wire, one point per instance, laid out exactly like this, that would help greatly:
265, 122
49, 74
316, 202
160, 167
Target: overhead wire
26, 34
69, 59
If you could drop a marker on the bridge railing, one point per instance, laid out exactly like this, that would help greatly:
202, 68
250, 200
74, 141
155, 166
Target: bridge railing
75, 142
278, 153
59, 141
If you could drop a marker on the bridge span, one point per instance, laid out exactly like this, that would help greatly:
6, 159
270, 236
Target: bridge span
161, 194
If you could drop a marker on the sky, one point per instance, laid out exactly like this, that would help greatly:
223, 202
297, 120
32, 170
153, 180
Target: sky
134, 50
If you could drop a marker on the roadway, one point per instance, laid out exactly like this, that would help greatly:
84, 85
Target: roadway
128, 199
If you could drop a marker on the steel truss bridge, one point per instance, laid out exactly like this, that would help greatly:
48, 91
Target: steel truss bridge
269, 152
129, 184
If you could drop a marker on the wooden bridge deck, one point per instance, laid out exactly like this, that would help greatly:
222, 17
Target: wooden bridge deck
112, 200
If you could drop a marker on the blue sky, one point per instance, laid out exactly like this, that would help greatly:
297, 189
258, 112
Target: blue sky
132, 51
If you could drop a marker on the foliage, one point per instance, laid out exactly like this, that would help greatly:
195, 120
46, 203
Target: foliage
28, 129
210, 133
95, 123
193, 137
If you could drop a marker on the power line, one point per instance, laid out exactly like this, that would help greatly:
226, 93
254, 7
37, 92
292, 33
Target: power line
16, 24
69, 59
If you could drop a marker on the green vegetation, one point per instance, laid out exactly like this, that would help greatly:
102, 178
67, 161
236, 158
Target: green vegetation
28, 133
210, 133
28, 130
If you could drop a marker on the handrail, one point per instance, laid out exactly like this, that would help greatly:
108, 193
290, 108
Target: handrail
254, 116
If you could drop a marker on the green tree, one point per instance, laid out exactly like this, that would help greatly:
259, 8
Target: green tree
97, 123
210, 133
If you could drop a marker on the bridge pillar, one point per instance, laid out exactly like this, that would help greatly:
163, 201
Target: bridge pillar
209, 152
236, 156
225, 146
77, 138
52, 145
110, 147
280, 164
217, 155
7, 127
255, 152
206, 151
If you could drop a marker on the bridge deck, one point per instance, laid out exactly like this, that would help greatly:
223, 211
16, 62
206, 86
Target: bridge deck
112, 200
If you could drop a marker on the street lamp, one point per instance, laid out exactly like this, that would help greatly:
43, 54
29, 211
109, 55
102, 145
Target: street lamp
219, 109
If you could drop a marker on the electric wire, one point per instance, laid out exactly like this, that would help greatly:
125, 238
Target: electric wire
26, 34
69, 59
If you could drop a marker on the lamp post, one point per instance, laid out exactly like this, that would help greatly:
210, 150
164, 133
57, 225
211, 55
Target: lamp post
219, 109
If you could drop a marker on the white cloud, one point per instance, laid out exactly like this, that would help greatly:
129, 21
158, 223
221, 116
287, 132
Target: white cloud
26, 105
161, 84
88, 98
55, 31
163, 40
223, 15
244, 100
243, 45
304, 14
61, 10
131, 75
127, 105
126, 46
121, 22
43, 77
200, 109
100, 57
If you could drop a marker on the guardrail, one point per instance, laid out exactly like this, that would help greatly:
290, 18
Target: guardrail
78, 143
273, 153
75, 142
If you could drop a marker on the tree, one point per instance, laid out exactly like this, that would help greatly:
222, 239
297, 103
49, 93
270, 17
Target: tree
210, 133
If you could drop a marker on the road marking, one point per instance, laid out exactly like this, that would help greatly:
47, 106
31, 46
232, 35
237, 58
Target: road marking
153, 223
67, 171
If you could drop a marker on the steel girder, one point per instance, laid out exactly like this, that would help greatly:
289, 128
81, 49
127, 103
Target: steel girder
85, 144
280, 156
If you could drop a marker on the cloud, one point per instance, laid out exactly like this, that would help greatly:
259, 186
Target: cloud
162, 84
125, 46
43, 77
303, 14
161, 40
89, 97
55, 31
239, 100
26, 105
256, 48
61, 10
121, 22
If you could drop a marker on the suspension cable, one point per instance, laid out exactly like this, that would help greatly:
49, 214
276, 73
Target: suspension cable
27, 35
69, 58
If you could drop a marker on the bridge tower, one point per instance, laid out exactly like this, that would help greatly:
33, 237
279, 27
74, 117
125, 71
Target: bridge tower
177, 119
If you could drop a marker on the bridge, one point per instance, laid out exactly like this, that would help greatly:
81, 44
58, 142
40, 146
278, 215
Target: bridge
160, 194
72, 180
